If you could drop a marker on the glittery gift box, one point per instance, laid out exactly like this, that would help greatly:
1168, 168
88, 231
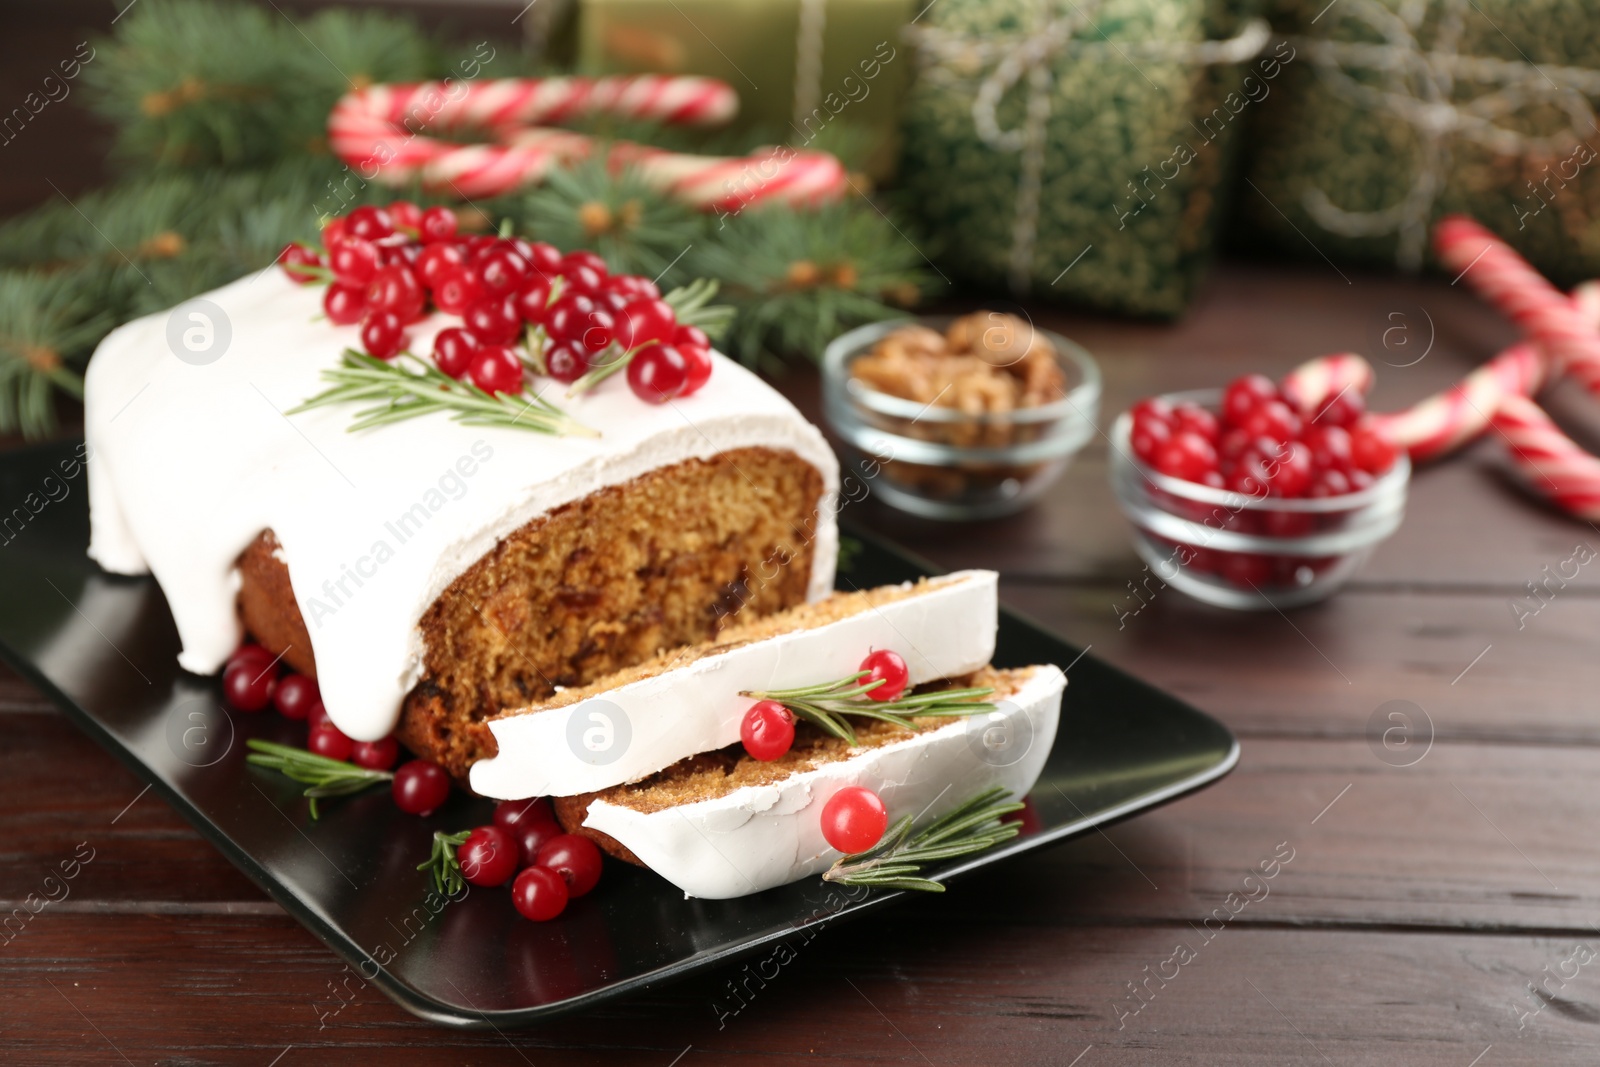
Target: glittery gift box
1077, 149
806, 70
1397, 112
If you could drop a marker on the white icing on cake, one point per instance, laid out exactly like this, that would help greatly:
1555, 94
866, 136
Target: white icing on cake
639, 728
190, 463
758, 837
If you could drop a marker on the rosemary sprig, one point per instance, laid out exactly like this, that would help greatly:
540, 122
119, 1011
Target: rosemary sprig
396, 393
826, 705
893, 863
443, 864
323, 777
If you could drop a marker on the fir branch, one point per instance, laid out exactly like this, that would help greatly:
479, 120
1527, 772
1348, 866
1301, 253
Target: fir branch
634, 228
47, 326
443, 865
893, 862
826, 705
322, 776
396, 394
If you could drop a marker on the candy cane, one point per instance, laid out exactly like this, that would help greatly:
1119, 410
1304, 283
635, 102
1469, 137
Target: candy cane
377, 130
1448, 420
1548, 461
1316, 380
1511, 284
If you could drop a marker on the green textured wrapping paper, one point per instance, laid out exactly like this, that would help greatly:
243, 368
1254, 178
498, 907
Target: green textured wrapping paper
806, 70
1076, 149
1400, 111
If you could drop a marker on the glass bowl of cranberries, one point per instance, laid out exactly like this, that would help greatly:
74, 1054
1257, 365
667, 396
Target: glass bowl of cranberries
1242, 499
968, 417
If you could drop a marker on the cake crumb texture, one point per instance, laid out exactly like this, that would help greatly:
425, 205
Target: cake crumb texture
672, 558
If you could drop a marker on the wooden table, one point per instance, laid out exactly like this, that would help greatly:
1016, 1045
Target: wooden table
1419, 905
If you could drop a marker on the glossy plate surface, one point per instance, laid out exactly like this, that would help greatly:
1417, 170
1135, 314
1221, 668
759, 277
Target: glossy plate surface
105, 649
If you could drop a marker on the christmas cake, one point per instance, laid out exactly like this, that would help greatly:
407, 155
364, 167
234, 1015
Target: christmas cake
428, 572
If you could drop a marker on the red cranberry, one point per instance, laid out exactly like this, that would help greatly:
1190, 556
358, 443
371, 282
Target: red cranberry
437, 260
531, 837
318, 715
576, 859
345, 305
1287, 523
543, 258
699, 361
510, 814
854, 819
1272, 418
565, 361
252, 653
1289, 474
1233, 443
566, 319
584, 258
1342, 409
1372, 451
1244, 395
583, 279
496, 369
369, 223
501, 271
249, 687
329, 741
438, 224
295, 695
533, 299
453, 350
299, 255
1248, 569
405, 215
1149, 433
643, 320
354, 262
334, 231
658, 374
888, 665
493, 320
1195, 419
456, 290
686, 334
375, 755
539, 894
395, 288
1186, 455
599, 330
1249, 476
1330, 446
1329, 482
767, 730
488, 857
383, 335
419, 787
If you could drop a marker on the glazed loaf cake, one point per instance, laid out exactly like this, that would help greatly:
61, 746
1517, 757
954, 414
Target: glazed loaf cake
431, 574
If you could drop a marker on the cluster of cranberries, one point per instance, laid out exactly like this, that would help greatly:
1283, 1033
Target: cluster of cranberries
1263, 443
526, 846
525, 837
386, 265
767, 729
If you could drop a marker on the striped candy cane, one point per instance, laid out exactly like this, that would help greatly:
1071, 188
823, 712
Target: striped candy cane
1317, 380
379, 131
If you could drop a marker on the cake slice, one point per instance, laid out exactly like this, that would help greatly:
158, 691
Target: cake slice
723, 825
640, 720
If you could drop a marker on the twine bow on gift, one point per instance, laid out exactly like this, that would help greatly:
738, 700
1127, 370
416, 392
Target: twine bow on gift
1033, 55
1417, 87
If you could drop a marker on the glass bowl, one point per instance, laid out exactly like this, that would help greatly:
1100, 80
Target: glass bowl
1245, 552
942, 463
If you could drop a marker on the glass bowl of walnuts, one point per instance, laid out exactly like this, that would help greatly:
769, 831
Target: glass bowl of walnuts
968, 417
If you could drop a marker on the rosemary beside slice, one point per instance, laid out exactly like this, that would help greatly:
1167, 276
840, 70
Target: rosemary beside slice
893, 863
826, 705
443, 864
323, 777
396, 393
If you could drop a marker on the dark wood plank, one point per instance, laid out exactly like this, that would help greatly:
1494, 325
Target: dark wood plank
1324, 670
244, 990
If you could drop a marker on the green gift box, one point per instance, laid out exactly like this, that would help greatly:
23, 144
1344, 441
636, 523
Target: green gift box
1077, 148
1400, 111
812, 73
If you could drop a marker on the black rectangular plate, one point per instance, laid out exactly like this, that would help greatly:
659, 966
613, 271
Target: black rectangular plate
105, 649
